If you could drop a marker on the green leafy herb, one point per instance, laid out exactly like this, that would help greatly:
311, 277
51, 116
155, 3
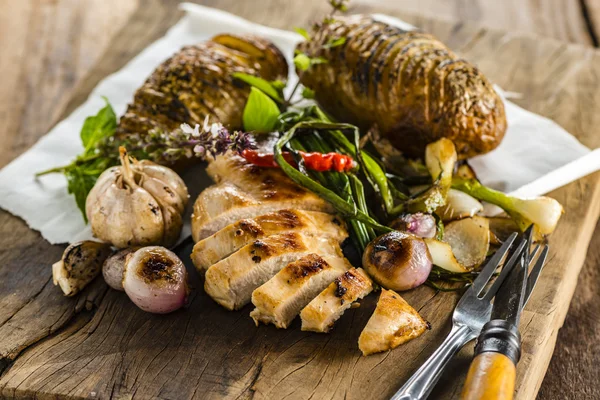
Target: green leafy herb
339, 5
303, 32
308, 93
272, 89
83, 172
335, 42
278, 85
98, 127
304, 62
260, 113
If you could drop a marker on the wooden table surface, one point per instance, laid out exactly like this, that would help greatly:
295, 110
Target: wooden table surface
48, 46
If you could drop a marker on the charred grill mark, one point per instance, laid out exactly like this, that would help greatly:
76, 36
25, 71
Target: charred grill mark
156, 267
290, 219
276, 245
250, 227
307, 266
340, 289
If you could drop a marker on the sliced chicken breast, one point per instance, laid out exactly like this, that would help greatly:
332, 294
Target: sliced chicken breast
280, 299
231, 281
322, 312
223, 204
393, 322
235, 236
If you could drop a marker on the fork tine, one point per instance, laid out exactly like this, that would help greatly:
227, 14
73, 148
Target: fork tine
488, 270
508, 265
535, 272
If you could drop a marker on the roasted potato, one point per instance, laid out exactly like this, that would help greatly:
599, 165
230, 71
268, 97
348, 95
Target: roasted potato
198, 81
408, 83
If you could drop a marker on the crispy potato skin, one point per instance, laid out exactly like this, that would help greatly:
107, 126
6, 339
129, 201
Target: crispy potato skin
407, 82
198, 81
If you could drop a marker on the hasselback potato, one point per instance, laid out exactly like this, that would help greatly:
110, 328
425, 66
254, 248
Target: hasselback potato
198, 81
407, 82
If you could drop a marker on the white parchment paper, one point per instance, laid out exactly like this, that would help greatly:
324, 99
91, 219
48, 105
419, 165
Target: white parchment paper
535, 157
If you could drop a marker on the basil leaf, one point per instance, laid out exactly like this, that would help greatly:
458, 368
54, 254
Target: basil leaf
270, 89
317, 60
302, 32
302, 62
308, 93
79, 185
98, 127
260, 113
335, 42
278, 85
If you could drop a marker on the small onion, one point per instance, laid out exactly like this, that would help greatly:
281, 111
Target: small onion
398, 260
459, 205
155, 280
114, 266
419, 224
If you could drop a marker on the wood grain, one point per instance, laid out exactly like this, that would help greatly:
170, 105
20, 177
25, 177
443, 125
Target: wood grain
100, 345
558, 19
490, 377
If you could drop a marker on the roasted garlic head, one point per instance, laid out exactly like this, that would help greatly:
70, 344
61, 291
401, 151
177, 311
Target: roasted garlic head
138, 203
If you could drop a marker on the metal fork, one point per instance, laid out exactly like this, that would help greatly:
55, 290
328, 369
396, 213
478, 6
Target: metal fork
471, 313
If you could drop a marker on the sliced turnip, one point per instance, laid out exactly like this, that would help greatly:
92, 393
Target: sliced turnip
442, 256
469, 239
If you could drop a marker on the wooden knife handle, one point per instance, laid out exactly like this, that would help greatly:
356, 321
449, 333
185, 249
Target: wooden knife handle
491, 377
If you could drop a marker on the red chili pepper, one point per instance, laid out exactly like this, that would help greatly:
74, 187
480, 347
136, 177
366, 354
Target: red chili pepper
313, 161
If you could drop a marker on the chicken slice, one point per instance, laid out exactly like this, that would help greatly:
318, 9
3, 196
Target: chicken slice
280, 299
393, 322
231, 281
244, 190
322, 312
224, 203
235, 236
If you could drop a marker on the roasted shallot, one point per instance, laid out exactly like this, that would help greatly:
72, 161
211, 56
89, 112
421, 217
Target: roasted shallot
155, 279
397, 260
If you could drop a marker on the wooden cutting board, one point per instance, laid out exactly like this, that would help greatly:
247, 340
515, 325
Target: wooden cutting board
99, 345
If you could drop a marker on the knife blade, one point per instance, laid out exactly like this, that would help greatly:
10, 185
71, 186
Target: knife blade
511, 295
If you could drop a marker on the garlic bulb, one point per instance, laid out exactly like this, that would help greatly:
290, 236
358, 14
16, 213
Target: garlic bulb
137, 203
155, 279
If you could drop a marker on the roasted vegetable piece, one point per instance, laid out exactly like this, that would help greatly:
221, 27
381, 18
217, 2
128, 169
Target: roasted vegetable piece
81, 262
155, 280
137, 203
397, 260
198, 81
408, 83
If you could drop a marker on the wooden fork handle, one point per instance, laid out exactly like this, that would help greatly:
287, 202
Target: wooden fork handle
491, 377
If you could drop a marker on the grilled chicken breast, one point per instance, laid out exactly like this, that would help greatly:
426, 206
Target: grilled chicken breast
322, 312
231, 281
393, 322
243, 191
235, 236
280, 299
